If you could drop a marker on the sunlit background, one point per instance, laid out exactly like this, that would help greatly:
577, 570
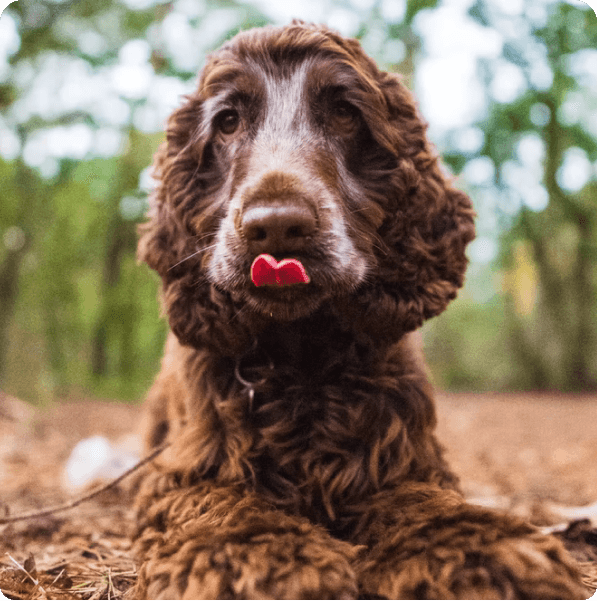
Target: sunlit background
509, 90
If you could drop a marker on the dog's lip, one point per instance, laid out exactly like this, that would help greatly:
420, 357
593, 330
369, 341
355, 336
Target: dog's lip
284, 302
287, 296
291, 293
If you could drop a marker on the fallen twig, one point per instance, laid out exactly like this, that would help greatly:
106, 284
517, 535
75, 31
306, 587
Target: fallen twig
77, 501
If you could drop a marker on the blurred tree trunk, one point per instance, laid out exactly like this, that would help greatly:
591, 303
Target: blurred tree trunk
120, 241
568, 295
115, 246
11, 266
525, 350
579, 367
9, 278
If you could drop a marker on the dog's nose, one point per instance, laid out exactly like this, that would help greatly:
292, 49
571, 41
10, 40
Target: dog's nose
278, 228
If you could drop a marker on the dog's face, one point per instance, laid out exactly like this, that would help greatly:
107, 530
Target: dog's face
292, 149
296, 146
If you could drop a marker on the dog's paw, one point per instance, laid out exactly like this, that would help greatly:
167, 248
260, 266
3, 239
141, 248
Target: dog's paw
270, 565
529, 567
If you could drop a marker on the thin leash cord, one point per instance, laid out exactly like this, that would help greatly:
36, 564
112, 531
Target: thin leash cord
78, 500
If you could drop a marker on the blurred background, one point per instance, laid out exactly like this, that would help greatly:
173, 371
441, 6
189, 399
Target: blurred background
509, 89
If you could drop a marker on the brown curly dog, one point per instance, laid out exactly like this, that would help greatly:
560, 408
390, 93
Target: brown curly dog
303, 229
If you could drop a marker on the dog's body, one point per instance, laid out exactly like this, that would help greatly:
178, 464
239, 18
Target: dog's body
303, 461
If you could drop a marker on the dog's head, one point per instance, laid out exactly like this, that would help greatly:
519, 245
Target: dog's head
295, 146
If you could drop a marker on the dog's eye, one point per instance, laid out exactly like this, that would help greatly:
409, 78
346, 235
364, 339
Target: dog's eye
342, 108
228, 121
345, 115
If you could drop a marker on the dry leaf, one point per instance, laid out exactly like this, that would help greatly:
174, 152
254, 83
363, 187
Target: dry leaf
29, 565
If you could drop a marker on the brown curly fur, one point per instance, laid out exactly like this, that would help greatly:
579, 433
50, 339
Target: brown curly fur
303, 461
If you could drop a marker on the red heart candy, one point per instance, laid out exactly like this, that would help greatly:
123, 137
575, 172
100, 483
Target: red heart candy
266, 271
291, 271
263, 270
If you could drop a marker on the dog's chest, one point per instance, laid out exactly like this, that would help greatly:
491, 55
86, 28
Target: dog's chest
309, 440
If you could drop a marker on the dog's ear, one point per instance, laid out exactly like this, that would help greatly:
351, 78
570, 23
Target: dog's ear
182, 219
161, 244
428, 222
163, 241
433, 221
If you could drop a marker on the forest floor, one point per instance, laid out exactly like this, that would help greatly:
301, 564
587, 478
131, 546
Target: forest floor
533, 454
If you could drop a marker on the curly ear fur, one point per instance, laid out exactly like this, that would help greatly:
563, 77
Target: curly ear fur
181, 205
163, 243
420, 246
434, 219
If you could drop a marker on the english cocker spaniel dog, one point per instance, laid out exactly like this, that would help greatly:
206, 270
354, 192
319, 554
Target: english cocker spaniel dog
303, 230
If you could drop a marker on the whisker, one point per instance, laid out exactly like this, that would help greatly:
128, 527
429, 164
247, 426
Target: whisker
201, 250
359, 210
186, 258
203, 236
242, 310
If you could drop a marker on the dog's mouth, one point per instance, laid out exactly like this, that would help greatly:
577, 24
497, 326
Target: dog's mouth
285, 302
284, 289
282, 310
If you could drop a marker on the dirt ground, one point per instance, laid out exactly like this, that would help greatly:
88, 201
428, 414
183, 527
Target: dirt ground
533, 454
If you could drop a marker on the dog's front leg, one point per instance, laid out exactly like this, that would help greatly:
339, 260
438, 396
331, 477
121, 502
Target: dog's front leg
216, 542
427, 543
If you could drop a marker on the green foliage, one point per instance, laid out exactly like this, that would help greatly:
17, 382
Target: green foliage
468, 347
414, 6
554, 344
64, 298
